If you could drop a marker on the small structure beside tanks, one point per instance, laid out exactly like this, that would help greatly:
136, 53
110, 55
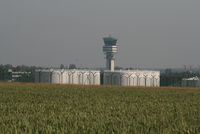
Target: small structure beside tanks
191, 82
12, 76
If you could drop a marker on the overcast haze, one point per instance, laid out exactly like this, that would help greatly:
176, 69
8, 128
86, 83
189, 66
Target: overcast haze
151, 33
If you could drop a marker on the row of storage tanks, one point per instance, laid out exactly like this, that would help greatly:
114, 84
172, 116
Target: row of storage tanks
132, 78
93, 77
85, 77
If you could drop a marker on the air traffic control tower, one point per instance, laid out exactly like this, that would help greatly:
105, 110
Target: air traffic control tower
110, 49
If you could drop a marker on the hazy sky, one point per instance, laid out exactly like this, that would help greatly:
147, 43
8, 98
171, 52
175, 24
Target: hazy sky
151, 33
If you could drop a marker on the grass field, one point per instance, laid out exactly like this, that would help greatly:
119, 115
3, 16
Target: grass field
45, 108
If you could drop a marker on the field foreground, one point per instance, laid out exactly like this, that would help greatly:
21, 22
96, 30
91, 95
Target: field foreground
45, 108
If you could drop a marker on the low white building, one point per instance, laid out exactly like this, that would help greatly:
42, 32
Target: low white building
15, 76
191, 82
132, 78
63, 76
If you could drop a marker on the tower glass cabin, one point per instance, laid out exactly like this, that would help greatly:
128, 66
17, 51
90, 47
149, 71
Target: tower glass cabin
110, 49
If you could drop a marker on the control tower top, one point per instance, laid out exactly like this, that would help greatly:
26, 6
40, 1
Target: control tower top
110, 41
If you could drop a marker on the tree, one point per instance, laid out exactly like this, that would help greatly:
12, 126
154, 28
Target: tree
62, 66
72, 66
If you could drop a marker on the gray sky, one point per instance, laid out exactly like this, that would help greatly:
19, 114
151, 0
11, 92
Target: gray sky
151, 33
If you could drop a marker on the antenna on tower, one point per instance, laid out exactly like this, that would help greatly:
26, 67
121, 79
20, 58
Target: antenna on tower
190, 67
185, 67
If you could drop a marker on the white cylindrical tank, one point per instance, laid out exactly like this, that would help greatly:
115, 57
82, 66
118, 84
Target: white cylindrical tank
72, 77
56, 77
88, 77
124, 79
64, 77
97, 78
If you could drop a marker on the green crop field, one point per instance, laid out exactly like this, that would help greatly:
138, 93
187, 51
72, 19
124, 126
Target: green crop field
57, 109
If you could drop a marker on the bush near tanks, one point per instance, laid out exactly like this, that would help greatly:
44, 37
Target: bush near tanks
45, 108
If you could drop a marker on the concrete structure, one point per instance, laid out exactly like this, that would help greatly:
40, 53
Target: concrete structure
110, 49
63, 76
132, 78
191, 82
